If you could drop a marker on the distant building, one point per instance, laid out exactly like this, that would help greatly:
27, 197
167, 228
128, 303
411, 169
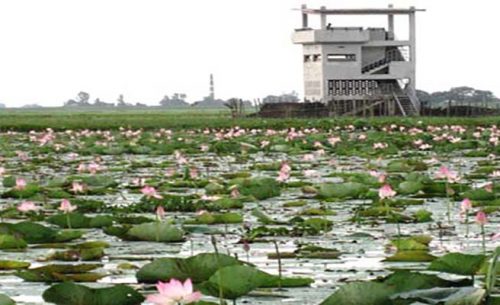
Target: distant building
2, 105
99, 103
359, 71
176, 101
32, 106
284, 98
209, 102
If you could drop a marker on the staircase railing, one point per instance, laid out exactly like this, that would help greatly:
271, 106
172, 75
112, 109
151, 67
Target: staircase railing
412, 94
401, 108
390, 56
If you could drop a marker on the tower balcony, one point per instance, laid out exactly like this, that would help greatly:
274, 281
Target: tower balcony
335, 35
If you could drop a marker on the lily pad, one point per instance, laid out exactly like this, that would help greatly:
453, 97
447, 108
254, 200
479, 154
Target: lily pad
5, 300
446, 296
238, 280
157, 231
361, 293
11, 242
73, 294
260, 188
458, 263
198, 268
13, 265
342, 190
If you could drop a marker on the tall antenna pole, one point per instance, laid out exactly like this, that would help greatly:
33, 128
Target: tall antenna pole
212, 89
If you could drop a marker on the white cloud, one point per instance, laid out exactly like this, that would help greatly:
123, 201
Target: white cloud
145, 49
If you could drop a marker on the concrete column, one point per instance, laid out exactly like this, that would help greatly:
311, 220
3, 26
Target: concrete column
323, 19
305, 22
391, 22
413, 46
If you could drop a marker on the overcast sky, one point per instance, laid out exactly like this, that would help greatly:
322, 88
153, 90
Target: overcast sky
52, 49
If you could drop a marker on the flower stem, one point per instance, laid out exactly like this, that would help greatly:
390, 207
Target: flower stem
466, 225
279, 263
483, 240
221, 293
68, 221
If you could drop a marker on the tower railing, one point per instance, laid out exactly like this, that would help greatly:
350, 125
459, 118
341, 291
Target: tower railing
390, 56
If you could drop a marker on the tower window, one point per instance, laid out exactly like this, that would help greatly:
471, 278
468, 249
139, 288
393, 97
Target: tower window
341, 57
317, 57
307, 58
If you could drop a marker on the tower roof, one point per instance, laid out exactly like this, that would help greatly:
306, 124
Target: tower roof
361, 11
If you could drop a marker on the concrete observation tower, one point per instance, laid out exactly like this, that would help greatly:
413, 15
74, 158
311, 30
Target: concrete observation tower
359, 71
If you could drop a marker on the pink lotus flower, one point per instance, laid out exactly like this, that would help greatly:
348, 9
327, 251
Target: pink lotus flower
77, 187
334, 140
193, 173
174, 292
235, 193
380, 145
264, 143
22, 155
481, 218
27, 206
150, 192
204, 147
495, 237
380, 176
466, 205
93, 168
66, 206
20, 184
2, 171
210, 198
160, 212
284, 173
446, 173
81, 168
170, 172
386, 192
139, 181
308, 158
488, 187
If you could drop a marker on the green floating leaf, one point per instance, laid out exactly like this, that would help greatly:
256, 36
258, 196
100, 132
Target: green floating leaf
479, 195
446, 296
261, 188
198, 268
409, 244
11, 242
59, 273
342, 190
409, 187
238, 280
411, 256
361, 293
13, 265
212, 218
73, 294
86, 254
458, 263
263, 217
423, 216
156, 231
406, 281
34, 233
76, 220
5, 300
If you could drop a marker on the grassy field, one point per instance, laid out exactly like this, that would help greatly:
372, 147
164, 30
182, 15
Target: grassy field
64, 118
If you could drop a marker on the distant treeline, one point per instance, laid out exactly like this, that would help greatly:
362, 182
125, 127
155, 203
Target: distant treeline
459, 96
178, 100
